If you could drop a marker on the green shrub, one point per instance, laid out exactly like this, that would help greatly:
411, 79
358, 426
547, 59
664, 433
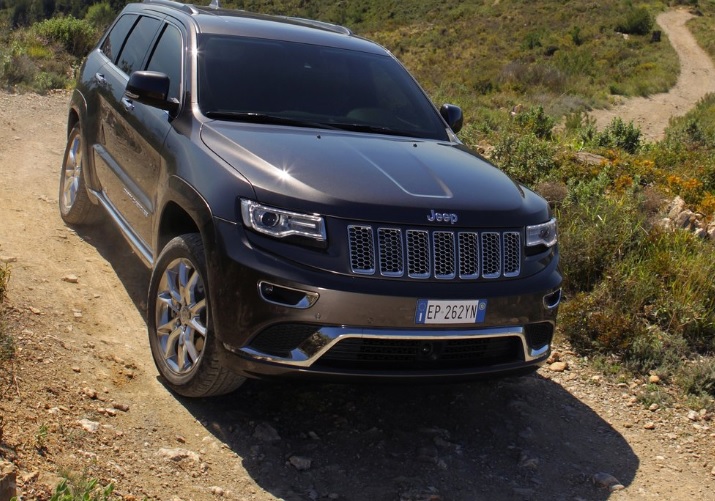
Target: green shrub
595, 230
100, 15
636, 22
698, 377
76, 36
81, 488
525, 157
619, 134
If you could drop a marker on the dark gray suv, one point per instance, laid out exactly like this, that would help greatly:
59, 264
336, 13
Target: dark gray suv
305, 209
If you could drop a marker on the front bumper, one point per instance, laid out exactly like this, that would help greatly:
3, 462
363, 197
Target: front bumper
275, 318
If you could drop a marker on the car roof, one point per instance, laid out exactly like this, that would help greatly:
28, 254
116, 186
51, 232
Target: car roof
215, 20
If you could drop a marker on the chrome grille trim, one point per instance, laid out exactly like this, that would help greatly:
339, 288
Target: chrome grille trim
418, 254
440, 254
362, 250
444, 255
512, 254
389, 245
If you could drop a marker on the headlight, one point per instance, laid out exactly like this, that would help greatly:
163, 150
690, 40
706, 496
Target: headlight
281, 223
541, 234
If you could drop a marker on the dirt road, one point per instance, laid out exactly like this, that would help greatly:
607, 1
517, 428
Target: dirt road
697, 78
85, 397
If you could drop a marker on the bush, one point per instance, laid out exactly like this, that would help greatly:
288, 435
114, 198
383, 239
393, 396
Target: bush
76, 36
596, 230
525, 157
636, 22
619, 134
100, 15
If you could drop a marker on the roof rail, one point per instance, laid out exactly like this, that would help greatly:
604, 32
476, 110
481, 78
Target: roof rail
337, 28
188, 8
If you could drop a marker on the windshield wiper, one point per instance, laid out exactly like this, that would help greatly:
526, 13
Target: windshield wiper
264, 118
377, 129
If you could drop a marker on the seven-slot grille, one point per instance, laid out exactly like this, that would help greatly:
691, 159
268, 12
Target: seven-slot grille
441, 254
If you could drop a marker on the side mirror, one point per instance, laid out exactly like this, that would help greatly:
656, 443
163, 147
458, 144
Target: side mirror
453, 116
151, 88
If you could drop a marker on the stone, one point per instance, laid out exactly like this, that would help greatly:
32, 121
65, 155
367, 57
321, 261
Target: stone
558, 366
8, 259
8, 480
650, 425
300, 463
676, 207
72, 279
264, 432
90, 392
607, 481
89, 426
178, 454
120, 407
653, 379
653, 407
693, 416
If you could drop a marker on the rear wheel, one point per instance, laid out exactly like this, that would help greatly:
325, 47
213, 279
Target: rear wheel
182, 341
75, 205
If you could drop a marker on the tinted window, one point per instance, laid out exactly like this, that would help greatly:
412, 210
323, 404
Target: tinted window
327, 85
167, 58
113, 43
137, 45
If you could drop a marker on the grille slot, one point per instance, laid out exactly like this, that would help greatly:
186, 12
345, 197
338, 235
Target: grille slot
440, 254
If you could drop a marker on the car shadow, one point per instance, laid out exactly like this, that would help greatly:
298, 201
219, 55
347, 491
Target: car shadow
514, 438
130, 269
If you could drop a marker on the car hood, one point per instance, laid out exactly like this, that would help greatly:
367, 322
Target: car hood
371, 177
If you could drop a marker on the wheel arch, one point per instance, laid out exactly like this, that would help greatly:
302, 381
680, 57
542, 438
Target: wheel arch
186, 211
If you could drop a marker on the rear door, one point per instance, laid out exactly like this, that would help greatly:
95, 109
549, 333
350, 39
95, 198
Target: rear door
128, 156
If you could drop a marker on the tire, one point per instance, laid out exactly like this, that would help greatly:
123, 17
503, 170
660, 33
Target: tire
182, 341
75, 206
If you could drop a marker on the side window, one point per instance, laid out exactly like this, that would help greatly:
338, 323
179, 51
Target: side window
113, 43
167, 58
137, 45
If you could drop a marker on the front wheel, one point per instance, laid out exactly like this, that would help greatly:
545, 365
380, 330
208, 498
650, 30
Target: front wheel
75, 205
182, 341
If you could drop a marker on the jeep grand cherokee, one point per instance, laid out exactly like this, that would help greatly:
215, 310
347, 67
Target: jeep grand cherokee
305, 209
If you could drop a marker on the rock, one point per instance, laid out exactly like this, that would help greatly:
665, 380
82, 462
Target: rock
558, 366
607, 481
676, 207
693, 416
300, 463
653, 407
89, 426
216, 491
685, 219
76, 369
90, 392
107, 412
8, 259
120, 407
178, 454
650, 425
72, 279
266, 433
712, 472
653, 379
8, 480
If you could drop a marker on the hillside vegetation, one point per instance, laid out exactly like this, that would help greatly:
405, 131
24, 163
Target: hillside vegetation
638, 298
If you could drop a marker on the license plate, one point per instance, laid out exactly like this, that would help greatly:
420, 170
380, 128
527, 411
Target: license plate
438, 311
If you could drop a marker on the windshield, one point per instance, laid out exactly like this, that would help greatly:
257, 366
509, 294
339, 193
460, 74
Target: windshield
278, 82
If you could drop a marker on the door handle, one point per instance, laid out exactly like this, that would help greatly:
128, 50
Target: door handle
100, 78
128, 104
